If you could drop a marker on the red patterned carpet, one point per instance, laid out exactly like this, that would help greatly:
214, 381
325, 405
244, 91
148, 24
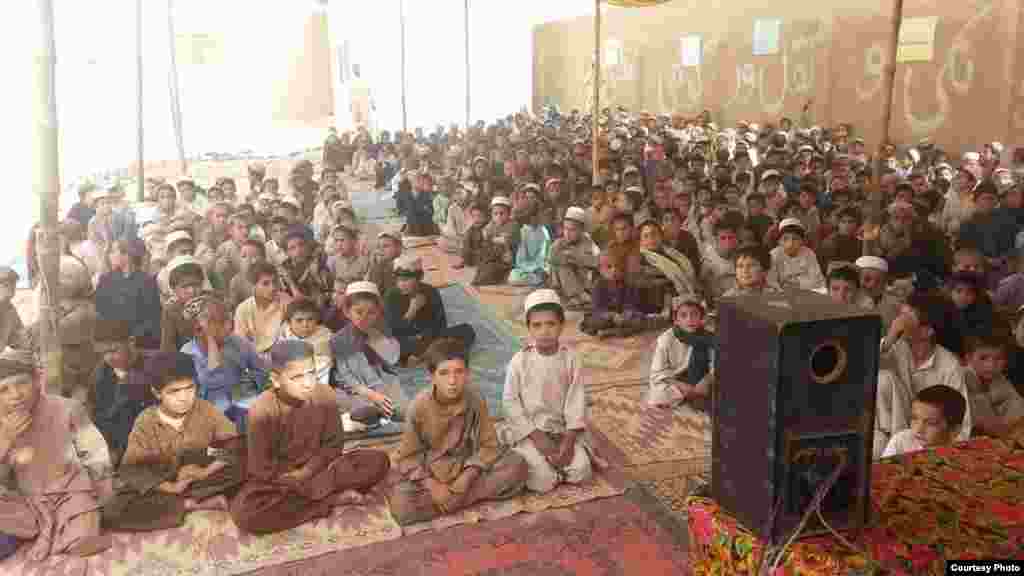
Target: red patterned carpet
604, 537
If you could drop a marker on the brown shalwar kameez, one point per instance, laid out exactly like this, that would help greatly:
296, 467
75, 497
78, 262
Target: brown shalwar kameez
496, 258
282, 438
156, 452
442, 441
54, 500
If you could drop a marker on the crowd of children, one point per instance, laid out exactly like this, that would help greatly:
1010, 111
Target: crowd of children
217, 354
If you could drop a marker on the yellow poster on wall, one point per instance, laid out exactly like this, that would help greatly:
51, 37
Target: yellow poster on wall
917, 39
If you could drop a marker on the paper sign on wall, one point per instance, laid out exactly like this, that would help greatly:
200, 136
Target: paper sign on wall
766, 37
690, 50
613, 53
917, 39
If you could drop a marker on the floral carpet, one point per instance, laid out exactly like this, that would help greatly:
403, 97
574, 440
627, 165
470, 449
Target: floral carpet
210, 544
963, 501
609, 537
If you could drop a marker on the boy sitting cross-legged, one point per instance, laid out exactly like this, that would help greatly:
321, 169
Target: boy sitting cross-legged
449, 457
683, 367
545, 402
167, 470
297, 469
616, 303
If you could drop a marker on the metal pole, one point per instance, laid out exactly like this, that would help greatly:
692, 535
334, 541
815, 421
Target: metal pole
466, 23
595, 129
175, 91
47, 186
889, 84
140, 160
401, 20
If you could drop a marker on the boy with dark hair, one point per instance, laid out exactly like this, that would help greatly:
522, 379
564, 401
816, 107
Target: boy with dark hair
186, 278
54, 490
615, 310
305, 270
995, 404
844, 285
121, 389
382, 271
167, 470
240, 288
937, 413
450, 457
228, 367
753, 264
302, 321
915, 361
683, 366
718, 272
258, 318
296, 469
415, 312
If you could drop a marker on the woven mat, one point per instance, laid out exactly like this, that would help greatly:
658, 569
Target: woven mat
643, 436
601, 486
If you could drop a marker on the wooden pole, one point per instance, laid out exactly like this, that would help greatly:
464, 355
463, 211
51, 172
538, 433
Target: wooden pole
401, 21
595, 128
466, 23
889, 85
47, 186
179, 138
140, 190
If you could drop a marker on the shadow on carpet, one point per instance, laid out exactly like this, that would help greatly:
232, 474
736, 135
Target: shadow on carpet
494, 348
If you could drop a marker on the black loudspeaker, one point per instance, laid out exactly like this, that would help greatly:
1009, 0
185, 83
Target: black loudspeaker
795, 400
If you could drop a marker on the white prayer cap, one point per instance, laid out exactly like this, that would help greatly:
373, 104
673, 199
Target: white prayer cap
501, 201
791, 223
390, 235
972, 157
637, 189
575, 213
996, 147
176, 236
542, 296
872, 263
292, 201
408, 263
630, 170
266, 197
183, 260
807, 148
769, 173
528, 186
340, 205
362, 288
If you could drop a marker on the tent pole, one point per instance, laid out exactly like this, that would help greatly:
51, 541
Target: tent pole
595, 128
47, 186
